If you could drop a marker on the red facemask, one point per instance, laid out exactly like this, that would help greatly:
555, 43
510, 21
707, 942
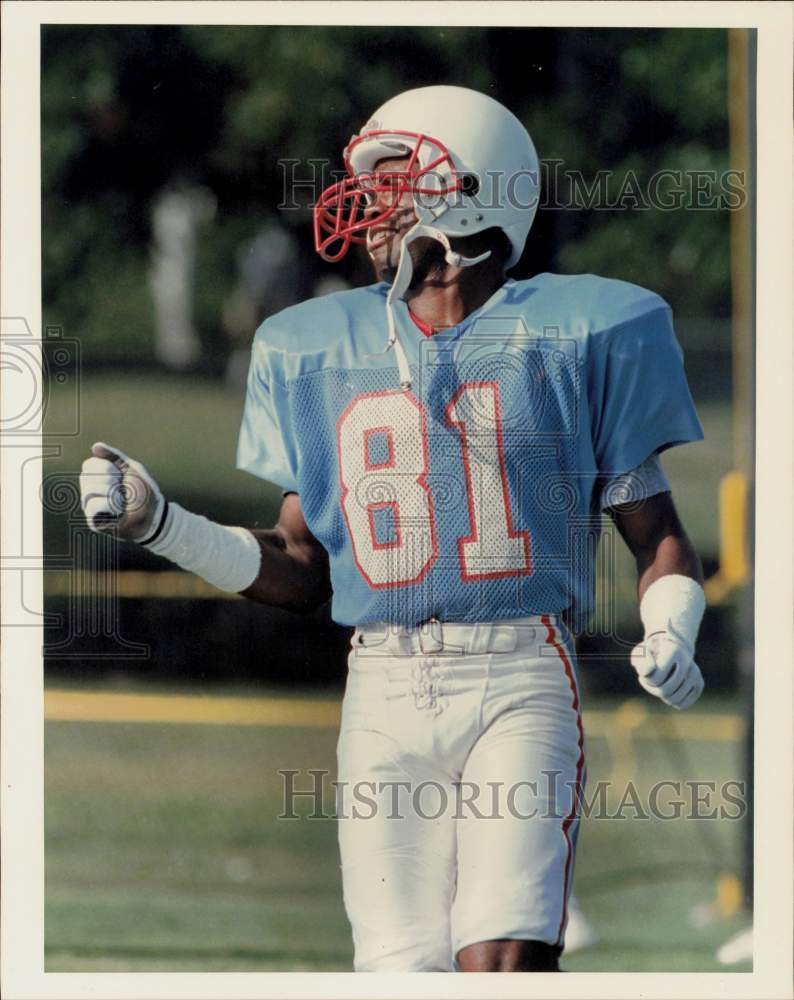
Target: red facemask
339, 218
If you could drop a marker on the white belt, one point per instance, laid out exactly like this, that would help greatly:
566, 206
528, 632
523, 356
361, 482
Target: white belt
451, 638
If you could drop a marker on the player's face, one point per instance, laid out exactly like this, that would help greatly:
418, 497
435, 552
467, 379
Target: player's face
383, 241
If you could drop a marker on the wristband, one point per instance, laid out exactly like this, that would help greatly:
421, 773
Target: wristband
228, 558
160, 525
676, 603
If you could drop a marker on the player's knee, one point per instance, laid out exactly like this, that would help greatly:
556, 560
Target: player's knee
509, 956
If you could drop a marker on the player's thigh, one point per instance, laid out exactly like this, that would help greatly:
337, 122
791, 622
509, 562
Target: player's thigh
397, 847
515, 852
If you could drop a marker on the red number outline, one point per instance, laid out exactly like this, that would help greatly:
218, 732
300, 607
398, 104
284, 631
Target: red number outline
460, 426
421, 479
395, 509
387, 463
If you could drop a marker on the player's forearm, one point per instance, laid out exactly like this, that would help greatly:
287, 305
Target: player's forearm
672, 603
268, 566
671, 596
657, 540
292, 576
284, 567
668, 555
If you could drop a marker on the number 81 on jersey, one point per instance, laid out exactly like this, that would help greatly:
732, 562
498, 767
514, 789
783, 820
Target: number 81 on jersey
383, 470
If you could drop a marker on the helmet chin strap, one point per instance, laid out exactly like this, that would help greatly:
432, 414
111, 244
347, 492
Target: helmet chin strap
402, 280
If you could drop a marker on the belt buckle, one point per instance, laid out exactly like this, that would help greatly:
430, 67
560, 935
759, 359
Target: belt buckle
431, 637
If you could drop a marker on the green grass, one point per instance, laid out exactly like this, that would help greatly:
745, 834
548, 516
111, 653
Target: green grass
163, 850
164, 853
183, 429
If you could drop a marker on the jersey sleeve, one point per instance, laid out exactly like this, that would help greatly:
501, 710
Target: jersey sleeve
639, 397
265, 446
647, 480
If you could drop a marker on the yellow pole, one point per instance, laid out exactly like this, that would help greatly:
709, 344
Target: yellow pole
735, 496
741, 236
735, 488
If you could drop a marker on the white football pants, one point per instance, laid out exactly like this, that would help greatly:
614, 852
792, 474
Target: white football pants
461, 764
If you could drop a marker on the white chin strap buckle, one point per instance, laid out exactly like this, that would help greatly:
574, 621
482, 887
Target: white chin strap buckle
452, 258
458, 260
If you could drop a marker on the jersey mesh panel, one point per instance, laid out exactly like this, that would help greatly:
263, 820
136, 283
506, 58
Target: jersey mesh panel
538, 391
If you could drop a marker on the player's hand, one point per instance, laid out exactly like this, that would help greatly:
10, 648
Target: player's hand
119, 495
666, 668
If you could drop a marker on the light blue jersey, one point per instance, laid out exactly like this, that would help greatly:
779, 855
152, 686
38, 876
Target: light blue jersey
474, 495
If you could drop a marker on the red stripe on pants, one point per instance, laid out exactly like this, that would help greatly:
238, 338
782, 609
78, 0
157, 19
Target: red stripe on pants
551, 638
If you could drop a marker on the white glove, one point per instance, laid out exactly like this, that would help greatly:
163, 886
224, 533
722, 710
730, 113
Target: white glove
671, 611
118, 494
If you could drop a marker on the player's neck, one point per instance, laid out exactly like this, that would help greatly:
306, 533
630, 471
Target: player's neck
445, 298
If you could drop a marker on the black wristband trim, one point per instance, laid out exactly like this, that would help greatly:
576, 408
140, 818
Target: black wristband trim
160, 526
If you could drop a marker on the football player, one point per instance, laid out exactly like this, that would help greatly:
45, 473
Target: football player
447, 440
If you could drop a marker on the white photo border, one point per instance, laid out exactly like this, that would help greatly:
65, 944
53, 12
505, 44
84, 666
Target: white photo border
22, 673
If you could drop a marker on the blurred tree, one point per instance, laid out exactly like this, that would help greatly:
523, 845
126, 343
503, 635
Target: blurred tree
655, 100
125, 110
128, 110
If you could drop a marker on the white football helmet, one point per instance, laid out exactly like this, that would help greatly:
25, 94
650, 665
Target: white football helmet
472, 166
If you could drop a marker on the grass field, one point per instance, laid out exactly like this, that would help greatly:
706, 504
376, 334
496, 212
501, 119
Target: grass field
164, 853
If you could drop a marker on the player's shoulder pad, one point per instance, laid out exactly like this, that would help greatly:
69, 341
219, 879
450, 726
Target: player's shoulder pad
312, 325
600, 304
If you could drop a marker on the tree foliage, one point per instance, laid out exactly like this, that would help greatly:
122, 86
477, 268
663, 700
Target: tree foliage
127, 110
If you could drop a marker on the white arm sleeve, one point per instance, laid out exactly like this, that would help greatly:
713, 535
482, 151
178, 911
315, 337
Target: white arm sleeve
228, 558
